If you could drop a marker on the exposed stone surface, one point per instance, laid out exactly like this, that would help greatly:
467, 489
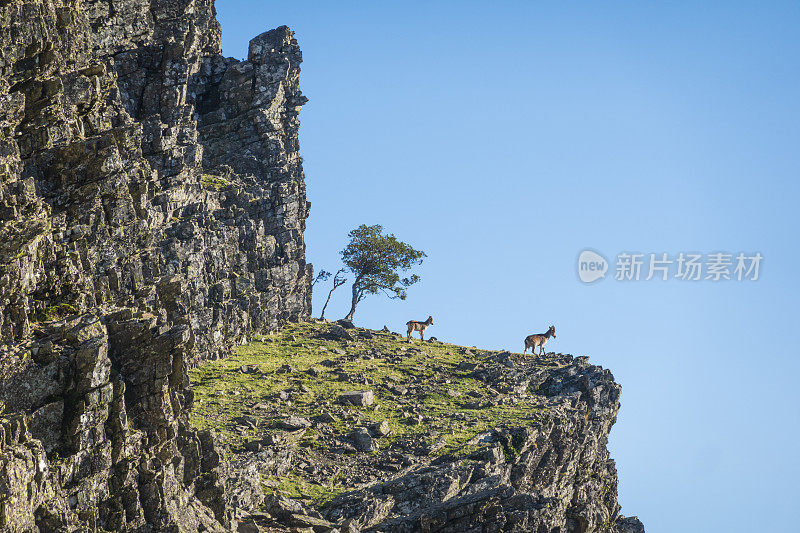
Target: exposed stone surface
379, 429
152, 208
363, 440
295, 422
338, 332
363, 397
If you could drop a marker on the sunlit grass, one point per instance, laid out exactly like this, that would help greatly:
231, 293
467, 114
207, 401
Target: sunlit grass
322, 369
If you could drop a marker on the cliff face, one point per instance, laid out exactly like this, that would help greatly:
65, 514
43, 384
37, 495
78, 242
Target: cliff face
152, 208
142, 169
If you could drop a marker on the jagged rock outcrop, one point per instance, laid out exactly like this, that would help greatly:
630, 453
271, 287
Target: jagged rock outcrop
553, 475
152, 208
445, 439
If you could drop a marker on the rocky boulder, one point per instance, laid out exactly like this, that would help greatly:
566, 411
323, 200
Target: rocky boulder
362, 398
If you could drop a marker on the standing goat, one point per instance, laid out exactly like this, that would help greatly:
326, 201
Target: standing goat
532, 341
414, 325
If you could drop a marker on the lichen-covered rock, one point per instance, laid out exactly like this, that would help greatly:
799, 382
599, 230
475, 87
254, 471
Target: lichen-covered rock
152, 209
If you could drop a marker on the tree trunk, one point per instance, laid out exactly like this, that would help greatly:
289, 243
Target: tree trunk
322, 315
353, 304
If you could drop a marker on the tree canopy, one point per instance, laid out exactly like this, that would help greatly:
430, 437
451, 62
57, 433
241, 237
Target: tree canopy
376, 261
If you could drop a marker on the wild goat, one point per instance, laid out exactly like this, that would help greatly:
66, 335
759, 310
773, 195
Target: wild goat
413, 325
532, 341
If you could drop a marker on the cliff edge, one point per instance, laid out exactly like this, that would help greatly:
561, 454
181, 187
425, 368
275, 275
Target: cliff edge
360, 430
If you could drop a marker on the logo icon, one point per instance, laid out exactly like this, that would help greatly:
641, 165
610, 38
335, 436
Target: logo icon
591, 266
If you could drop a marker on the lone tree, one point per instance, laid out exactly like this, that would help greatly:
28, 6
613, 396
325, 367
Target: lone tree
375, 259
338, 281
322, 276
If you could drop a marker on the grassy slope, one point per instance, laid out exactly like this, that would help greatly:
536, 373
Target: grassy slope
443, 402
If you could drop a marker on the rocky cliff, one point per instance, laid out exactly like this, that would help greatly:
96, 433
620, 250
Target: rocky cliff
359, 430
152, 208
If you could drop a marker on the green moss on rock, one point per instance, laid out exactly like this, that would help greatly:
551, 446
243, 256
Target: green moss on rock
213, 183
59, 311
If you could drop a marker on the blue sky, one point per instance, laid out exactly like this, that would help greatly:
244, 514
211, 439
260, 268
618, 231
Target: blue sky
503, 138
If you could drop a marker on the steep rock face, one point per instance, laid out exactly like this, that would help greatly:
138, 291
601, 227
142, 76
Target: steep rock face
103, 171
152, 208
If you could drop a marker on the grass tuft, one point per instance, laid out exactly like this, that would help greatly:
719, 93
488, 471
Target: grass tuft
213, 183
